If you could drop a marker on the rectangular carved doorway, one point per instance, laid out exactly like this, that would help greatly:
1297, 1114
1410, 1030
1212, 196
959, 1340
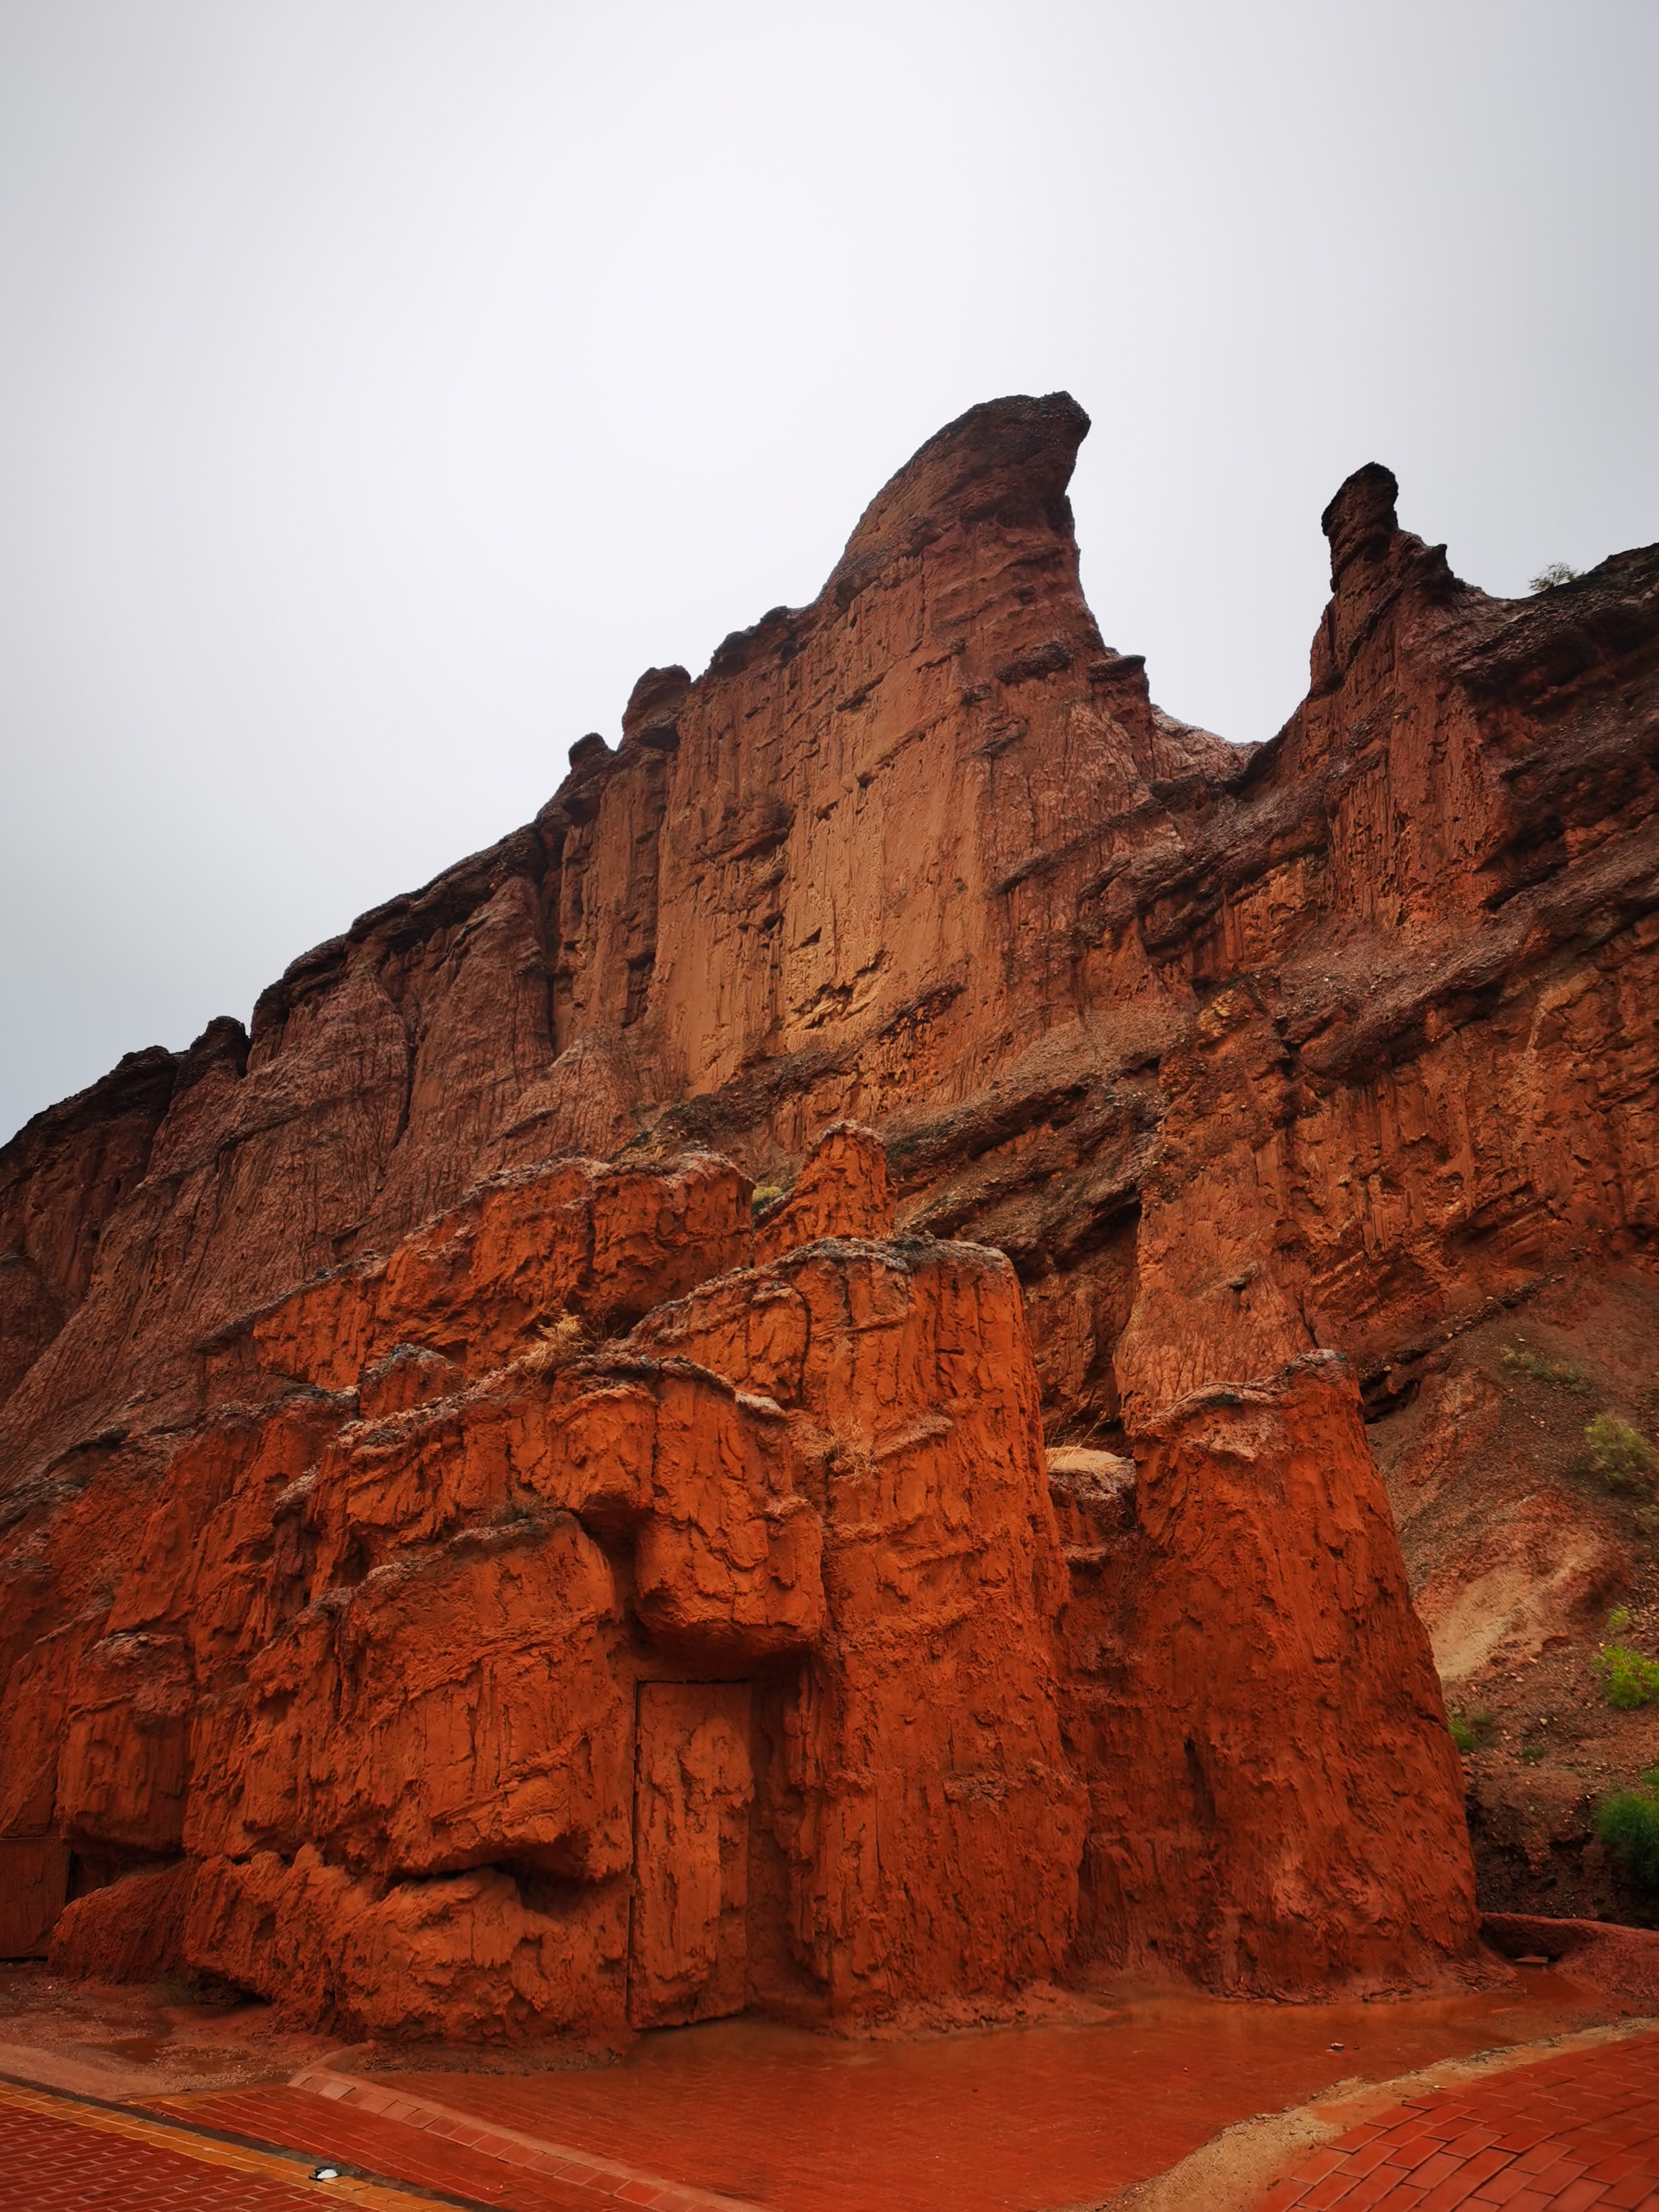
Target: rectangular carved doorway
693, 1787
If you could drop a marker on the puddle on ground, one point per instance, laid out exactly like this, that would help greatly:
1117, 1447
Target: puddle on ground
136, 2049
144, 2051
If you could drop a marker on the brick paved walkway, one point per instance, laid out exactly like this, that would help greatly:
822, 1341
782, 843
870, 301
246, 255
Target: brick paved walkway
1004, 2122
371, 2126
60, 2155
996, 2123
1575, 2134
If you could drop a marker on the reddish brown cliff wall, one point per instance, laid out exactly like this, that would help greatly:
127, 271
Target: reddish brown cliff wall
1243, 1059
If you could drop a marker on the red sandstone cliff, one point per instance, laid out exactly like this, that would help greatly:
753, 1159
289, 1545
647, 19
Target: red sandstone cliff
1276, 1076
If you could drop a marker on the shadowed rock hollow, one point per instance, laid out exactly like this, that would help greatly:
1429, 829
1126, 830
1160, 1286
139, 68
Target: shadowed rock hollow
471, 1566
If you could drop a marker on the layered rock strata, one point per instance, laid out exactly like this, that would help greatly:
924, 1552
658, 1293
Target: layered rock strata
1270, 1071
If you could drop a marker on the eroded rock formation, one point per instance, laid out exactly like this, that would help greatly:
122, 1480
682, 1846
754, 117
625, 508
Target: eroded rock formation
741, 1619
408, 1407
485, 1665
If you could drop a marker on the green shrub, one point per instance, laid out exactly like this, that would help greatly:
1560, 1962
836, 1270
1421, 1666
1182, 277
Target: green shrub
1628, 1824
762, 1195
1629, 1678
1552, 576
1469, 1730
1561, 1372
1620, 1454
1531, 1753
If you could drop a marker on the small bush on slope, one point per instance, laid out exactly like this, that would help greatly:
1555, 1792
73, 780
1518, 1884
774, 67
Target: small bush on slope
1469, 1732
1629, 1678
1620, 1454
1628, 1824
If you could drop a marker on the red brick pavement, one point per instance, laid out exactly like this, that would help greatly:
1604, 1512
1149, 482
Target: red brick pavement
52, 2159
1003, 2121
430, 2150
1575, 2134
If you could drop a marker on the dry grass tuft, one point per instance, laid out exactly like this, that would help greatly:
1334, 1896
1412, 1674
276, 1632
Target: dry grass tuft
561, 1343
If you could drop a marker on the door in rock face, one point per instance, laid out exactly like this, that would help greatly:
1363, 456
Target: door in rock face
33, 1883
693, 1786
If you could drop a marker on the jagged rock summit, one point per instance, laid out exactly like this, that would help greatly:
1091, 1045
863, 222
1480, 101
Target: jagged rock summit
759, 1396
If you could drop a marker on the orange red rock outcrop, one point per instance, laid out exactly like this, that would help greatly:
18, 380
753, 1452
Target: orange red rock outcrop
408, 1411
640, 1678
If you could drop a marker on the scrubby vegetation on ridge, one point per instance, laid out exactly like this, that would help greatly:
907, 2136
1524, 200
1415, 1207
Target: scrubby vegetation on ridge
1546, 1370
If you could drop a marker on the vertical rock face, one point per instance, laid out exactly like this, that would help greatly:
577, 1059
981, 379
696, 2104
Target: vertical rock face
405, 1406
1275, 1798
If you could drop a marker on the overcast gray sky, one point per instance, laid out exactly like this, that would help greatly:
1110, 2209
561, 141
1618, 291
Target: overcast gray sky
383, 385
